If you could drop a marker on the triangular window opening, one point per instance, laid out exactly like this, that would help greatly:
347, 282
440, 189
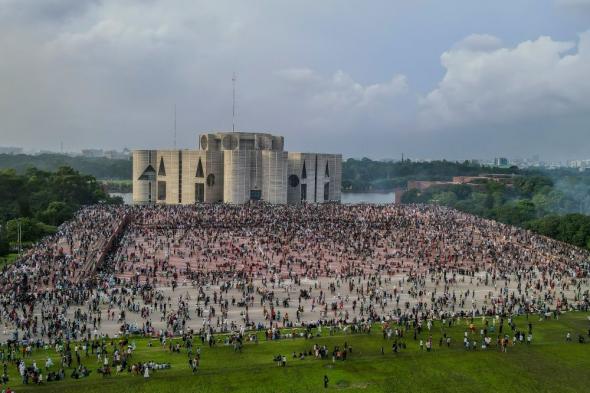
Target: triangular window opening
304, 172
161, 170
327, 173
148, 174
200, 172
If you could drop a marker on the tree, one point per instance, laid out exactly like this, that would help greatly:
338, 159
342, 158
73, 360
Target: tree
570, 228
56, 213
411, 196
31, 229
446, 198
4, 245
530, 185
554, 201
515, 212
43, 200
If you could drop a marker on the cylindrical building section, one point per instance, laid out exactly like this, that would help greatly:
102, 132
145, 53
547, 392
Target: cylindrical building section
144, 176
278, 143
336, 177
294, 178
255, 169
236, 176
274, 176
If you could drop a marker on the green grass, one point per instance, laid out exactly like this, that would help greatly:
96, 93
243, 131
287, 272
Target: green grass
7, 259
548, 365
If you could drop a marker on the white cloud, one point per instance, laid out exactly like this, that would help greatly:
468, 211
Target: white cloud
479, 42
341, 92
534, 79
107, 72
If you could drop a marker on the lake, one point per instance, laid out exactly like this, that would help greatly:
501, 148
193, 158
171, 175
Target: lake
347, 197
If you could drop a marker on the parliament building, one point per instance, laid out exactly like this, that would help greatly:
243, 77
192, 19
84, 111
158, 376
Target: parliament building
235, 167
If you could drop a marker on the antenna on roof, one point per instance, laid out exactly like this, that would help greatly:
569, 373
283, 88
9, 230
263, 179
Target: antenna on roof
233, 119
174, 125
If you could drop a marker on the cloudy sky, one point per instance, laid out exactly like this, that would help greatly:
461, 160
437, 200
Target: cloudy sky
432, 79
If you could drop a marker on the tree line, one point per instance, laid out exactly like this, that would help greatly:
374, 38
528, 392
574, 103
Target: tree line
100, 167
368, 175
550, 204
39, 201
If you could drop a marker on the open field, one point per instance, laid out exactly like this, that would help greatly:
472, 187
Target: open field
548, 364
218, 270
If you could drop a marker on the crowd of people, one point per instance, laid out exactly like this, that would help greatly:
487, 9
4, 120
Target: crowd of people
169, 270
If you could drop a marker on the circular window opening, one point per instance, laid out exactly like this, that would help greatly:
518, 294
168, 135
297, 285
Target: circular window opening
211, 180
293, 181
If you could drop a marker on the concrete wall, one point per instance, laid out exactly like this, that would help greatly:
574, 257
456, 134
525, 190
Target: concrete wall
254, 163
274, 175
235, 165
294, 168
214, 165
190, 160
170, 160
315, 169
335, 168
141, 188
236, 176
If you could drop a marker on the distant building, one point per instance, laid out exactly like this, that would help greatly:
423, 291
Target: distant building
506, 178
475, 182
93, 153
235, 167
117, 155
11, 150
501, 162
581, 165
422, 185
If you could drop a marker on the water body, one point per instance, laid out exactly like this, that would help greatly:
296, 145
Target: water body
367, 197
347, 197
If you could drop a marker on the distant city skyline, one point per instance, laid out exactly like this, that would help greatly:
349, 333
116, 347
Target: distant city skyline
456, 80
522, 162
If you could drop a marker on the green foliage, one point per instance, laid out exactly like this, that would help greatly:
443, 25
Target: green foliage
56, 213
530, 185
31, 229
515, 212
7, 259
101, 168
4, 244
533, 201
411, 196
369, 175
121, 186
549, 364
570, 228
43, 200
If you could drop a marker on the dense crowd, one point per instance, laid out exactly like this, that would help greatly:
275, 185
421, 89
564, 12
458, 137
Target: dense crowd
170, 270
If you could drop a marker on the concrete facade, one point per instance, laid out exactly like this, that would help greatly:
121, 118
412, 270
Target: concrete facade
235, 167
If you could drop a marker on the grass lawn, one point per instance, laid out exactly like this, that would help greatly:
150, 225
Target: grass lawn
549, 364
7, 260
